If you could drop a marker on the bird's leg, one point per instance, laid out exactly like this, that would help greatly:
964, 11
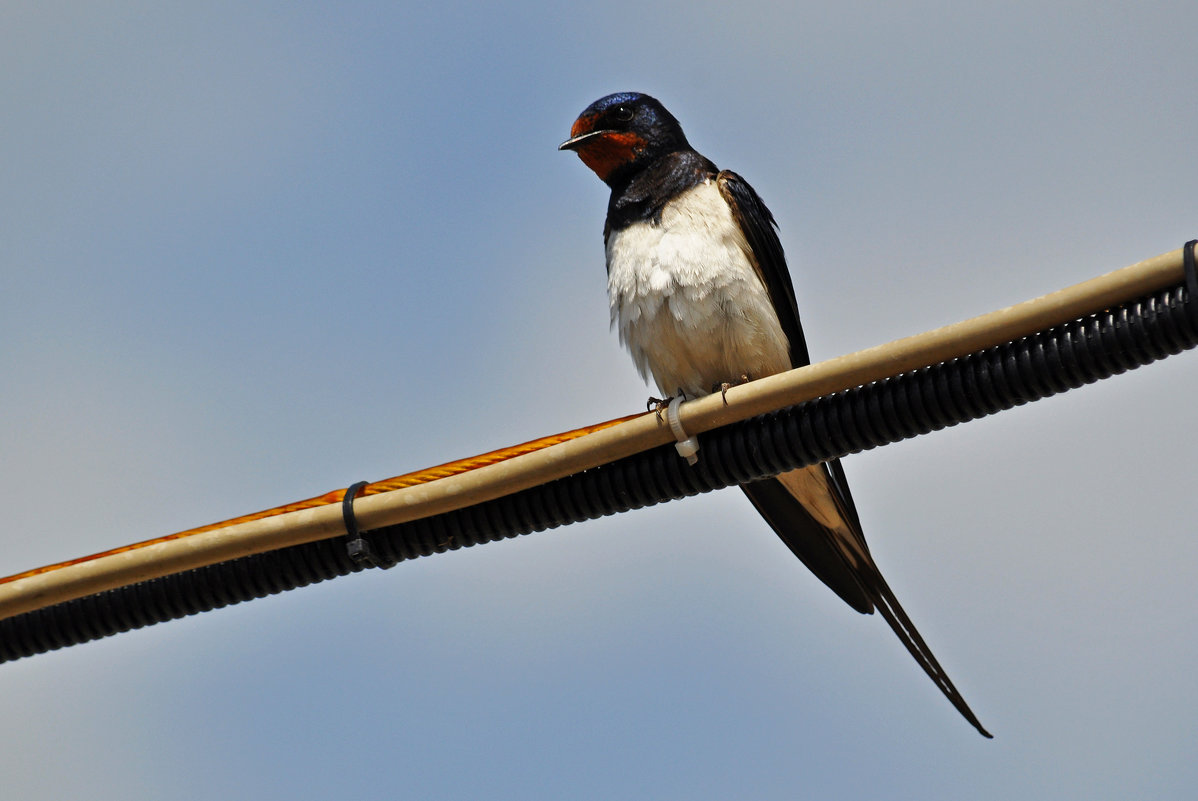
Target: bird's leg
659, 405
727, 385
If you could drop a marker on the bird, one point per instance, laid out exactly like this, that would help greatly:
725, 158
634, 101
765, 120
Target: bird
701, 296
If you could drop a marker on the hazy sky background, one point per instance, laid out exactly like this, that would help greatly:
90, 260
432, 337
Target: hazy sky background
253, 252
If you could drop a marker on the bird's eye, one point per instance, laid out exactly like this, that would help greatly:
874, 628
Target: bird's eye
623, 113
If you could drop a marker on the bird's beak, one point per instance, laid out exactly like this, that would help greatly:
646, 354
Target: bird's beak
578, 141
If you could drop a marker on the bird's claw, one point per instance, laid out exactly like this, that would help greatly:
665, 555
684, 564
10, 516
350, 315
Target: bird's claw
657, 405
727, 385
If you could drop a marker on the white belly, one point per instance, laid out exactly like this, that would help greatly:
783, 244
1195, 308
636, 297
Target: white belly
687, 302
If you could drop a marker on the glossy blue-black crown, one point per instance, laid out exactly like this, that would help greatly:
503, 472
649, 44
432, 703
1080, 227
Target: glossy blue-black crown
641, 114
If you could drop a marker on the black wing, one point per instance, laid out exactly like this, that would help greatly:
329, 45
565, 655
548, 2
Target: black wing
761, 232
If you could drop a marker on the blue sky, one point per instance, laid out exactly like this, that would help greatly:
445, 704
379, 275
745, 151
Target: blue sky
253, 252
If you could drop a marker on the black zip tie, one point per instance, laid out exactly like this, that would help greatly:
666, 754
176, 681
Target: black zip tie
357, 546
1191, 269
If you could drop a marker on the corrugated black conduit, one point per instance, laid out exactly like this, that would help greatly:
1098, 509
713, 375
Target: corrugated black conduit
1052, 361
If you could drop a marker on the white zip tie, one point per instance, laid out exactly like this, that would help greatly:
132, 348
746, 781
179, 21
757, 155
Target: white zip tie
687, 446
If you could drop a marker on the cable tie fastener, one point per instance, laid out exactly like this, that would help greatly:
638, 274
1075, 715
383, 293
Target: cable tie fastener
357, 546
687, 446
1191, 270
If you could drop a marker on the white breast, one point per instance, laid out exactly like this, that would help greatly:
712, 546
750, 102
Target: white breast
686, 300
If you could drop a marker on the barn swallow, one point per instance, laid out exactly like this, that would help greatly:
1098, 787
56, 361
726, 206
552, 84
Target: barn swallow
701, 296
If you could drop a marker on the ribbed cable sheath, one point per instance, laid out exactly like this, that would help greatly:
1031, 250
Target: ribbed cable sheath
928, 399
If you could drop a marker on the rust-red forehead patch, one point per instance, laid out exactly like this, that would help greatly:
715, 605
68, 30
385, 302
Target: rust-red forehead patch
584, 124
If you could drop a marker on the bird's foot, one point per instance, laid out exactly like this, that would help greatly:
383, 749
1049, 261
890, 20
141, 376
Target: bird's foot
727, 385
658, 405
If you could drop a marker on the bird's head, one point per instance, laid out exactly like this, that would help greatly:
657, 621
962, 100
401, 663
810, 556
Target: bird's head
621, 132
